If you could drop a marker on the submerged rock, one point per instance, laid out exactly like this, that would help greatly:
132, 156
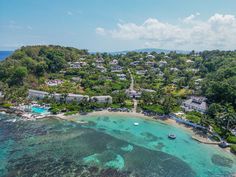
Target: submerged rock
222, 161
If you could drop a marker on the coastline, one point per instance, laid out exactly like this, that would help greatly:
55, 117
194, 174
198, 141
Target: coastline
190, 130
196, 136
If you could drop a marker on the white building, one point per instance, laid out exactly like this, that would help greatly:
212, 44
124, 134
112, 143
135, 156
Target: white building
152, 64
121, 76
150, 56
101, 68
77, 98
114, 62
55, 82
162, 63
36, 94
134, 63
195, 104
116, 69
133, 93
141, 72
99, 60
101, 99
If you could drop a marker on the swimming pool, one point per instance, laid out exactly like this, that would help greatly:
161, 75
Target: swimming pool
39, 110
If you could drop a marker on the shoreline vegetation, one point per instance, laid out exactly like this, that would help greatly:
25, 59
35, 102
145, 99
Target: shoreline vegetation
196, 134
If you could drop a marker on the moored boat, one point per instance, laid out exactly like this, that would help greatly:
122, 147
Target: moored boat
172, 136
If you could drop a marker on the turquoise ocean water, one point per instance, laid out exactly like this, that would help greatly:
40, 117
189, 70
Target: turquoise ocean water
106, 146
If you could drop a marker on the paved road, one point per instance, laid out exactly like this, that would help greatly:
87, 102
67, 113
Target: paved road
132, 81
135, 102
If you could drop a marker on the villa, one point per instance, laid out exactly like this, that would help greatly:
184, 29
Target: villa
195, 104
74, 65
99, 60
114, 62
141, 72
37, 95
150, 56
55, 82
101, 99
76, 79
116, 69
189, 61
133, 93
77, 65
162, 63
134, 63
152, 64
101, 68
174, 69
121, 76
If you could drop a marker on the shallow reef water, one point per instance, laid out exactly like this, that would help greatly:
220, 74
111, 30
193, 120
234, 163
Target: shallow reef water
104, 147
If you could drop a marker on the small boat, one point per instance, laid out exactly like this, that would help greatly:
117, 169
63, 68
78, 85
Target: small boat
223, 144
172, 136
136, 123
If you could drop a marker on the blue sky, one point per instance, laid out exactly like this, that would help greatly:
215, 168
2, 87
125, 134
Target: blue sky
113, 25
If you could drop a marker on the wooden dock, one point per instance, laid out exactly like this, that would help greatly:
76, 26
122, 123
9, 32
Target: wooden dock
204, 140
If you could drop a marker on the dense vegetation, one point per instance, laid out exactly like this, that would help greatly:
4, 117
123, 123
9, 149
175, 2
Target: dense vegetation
171, 77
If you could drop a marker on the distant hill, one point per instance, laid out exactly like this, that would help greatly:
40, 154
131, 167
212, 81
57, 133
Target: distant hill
149, 50
5, 54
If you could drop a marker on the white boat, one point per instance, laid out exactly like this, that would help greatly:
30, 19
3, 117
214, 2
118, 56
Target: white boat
136, 123
172, 136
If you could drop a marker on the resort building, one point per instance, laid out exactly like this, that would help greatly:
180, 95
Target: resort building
195, 104
101, 99
77, 98
37, 95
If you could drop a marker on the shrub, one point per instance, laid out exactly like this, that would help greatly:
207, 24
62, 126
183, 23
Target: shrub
233, 149
231, 139
6, 105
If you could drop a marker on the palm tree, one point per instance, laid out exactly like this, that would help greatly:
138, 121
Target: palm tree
228, 117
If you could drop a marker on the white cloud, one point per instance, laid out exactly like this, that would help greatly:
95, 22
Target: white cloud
100, 31
217, 32
190, 18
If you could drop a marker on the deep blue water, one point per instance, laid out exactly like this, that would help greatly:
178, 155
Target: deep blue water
5, 54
